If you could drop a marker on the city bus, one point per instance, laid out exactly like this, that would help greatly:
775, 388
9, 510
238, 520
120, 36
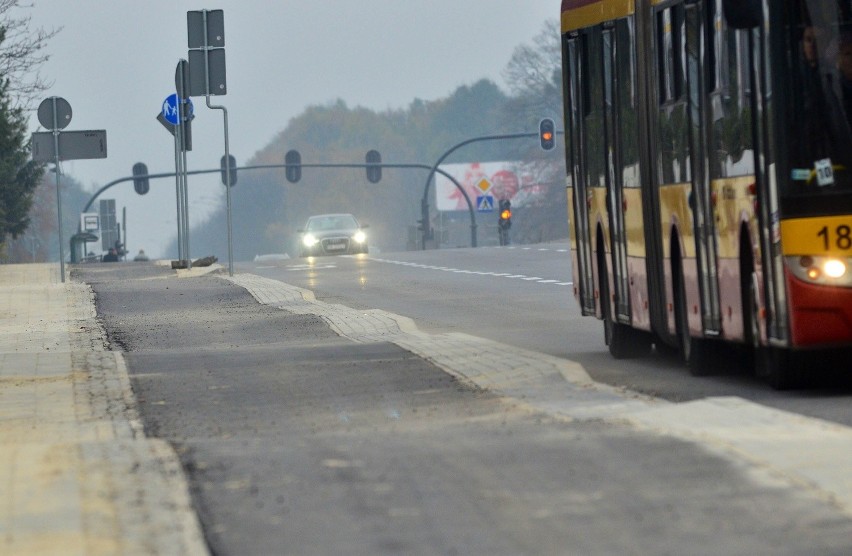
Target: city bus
709, 177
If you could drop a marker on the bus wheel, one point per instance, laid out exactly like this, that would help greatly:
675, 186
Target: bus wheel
705, 357
699, 354
780, 367
681, 321
625, 342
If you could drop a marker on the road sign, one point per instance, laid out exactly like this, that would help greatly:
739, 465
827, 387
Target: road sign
171, 109
73, 145
215, 28
63, 113
215, 69
485, 203
484, 185
90, 222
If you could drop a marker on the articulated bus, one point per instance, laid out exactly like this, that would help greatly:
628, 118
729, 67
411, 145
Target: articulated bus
709, 173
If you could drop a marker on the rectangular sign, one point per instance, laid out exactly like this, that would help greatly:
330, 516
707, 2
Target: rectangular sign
73, 145
215, 68
215, 28
90, 222
514, 181
484, 203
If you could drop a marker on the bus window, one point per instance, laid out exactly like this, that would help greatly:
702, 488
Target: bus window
627, 110
593, 123
819, 98
673, 140
665, 53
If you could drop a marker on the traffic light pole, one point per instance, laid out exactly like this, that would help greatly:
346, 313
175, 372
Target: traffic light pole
473, 225
424, 203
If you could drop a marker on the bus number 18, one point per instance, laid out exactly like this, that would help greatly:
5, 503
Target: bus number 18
842, 237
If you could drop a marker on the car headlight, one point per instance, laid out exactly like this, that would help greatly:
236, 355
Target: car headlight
359, 237
309, 240
821, 270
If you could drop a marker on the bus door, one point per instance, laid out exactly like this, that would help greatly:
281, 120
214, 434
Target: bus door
574, 52
768, 214
614, 182
700, 201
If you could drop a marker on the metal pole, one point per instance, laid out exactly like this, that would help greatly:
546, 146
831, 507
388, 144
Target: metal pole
183, 119
185, 202
58, 191
178, 195
124, 229
425, 201
227, 147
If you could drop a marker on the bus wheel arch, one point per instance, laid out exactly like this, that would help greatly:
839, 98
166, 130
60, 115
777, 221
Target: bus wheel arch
623, 340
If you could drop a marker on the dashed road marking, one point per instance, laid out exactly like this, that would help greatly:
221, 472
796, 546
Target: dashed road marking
524, 277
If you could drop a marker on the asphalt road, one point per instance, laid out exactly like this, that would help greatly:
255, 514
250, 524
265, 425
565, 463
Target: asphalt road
520, 296
299, 441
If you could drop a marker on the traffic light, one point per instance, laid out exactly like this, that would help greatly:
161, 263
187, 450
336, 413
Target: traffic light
547, 134
293, 160
505, 219
230, 168
374, 169
140, 184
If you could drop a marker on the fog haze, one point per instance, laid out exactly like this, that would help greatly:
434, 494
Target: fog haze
114, 62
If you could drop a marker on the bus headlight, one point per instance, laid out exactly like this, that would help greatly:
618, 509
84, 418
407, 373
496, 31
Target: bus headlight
821, 270
834, 268
309, 240
359, 237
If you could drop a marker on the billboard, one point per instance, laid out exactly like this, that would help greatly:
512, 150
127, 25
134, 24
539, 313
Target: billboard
508, 180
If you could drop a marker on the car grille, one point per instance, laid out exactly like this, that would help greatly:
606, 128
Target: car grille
335, 245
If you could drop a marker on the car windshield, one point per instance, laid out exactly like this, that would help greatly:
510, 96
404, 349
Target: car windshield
334, 222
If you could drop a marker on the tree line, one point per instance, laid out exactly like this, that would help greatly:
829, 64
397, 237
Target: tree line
267, 209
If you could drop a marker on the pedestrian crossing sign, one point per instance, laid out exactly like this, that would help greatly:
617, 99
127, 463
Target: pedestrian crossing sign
485, 203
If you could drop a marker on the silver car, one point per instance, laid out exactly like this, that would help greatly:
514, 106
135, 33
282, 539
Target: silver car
332, 234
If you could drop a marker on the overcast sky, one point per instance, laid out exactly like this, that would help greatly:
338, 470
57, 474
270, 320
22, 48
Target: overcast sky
114, 61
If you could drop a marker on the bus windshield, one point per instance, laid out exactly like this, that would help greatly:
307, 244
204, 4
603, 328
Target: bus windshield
819, 115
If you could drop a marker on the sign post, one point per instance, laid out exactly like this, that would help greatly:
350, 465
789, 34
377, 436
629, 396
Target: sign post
176, 116
206, 42
54, 113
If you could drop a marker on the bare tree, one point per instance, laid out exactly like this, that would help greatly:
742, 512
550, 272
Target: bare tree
533, 74
22, 53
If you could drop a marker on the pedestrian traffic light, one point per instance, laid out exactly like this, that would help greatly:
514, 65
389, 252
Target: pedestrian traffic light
374, 168
505, 220
293, 162
140, 184
230, 168
547, 134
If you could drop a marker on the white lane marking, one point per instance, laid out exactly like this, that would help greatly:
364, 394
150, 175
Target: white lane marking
537, 279
305, 267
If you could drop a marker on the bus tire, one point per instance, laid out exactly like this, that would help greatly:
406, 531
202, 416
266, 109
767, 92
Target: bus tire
624, 341
780, 367
705, 357
627, 342
684, 340
699, 354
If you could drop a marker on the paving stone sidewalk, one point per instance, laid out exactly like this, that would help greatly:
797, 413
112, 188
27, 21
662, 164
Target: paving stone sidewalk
77, 474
